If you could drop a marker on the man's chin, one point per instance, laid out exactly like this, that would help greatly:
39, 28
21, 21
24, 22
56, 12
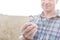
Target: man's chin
47, 10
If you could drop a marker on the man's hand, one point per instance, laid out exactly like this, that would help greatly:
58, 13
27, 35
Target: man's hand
28, 30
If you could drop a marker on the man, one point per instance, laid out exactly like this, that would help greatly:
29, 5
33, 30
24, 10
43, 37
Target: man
48, 24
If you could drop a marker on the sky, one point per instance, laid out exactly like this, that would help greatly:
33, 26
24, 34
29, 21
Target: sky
21, 7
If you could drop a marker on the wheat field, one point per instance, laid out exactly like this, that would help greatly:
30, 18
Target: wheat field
10, 26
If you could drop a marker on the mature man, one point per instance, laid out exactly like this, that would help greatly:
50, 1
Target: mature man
48, 23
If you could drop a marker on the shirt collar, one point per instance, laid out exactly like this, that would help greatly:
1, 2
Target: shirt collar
57, 14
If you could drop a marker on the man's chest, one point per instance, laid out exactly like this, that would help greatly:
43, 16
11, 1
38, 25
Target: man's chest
48, 30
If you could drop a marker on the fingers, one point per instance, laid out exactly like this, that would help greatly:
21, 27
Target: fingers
25, 26
28, 24
30, 34
28, 29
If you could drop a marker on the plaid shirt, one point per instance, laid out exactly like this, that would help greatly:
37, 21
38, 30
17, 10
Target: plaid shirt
47, 29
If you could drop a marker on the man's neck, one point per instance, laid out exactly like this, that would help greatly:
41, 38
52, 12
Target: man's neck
49, 14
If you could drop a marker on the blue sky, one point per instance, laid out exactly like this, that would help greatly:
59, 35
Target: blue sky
21, 7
